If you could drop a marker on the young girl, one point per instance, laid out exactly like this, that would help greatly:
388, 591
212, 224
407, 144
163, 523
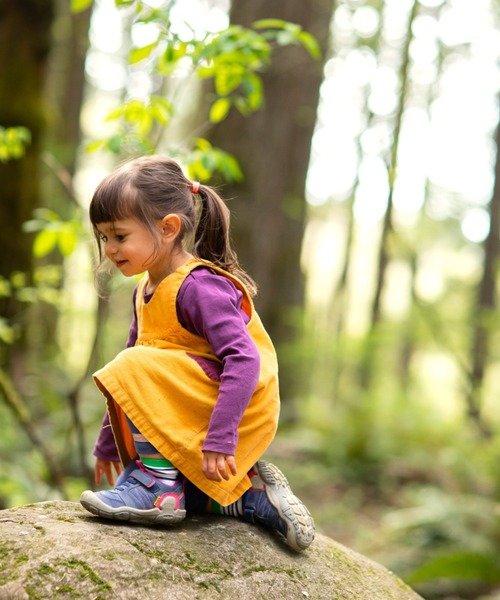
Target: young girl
193, 400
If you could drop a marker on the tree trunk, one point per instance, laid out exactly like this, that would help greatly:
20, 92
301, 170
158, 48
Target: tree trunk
485, 305
65, 85
65, 91
273, 147
25, 27
370, 352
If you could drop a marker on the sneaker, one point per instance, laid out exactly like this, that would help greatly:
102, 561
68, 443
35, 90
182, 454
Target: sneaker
138, 497
270, 502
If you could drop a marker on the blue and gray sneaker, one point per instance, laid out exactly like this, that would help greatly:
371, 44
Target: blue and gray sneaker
270, 502
138, 497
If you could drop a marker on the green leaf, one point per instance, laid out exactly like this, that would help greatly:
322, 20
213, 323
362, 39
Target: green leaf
202, 144
230, 168
227, 79
468, 566
45, 214
13, 141
310, 43
66, 240
270, 24
203, 163
18, 279
138, 54
5, 289
95, 145
44, 242
114, 143
7, 333
33, 225
219, 110
161, 110
122, 3
253, 88
80, 5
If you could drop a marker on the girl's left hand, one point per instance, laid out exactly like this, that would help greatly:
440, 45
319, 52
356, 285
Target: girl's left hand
215, 466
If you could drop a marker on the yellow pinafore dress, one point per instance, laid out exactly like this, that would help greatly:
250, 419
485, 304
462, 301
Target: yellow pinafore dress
161, 387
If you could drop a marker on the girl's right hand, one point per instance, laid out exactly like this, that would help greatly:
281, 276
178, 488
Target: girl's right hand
105, 467
215, 465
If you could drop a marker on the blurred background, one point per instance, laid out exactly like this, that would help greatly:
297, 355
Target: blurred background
356, 143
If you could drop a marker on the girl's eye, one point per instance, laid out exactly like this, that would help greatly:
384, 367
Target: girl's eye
103, 238
120, 238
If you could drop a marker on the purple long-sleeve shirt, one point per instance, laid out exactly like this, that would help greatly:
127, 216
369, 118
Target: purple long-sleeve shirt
209, 305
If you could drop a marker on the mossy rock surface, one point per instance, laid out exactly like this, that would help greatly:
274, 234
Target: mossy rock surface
57, 550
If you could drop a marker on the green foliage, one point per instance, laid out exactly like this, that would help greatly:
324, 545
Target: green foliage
233, 59
80, 5
45, 288
53, 232
205, 159
289, 33
459, 565
13, 141
450, 538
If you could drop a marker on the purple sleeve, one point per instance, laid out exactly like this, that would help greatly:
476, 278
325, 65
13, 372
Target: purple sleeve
210, 306
105, 446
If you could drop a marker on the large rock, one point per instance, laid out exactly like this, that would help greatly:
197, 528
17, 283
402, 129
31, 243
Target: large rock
57, 550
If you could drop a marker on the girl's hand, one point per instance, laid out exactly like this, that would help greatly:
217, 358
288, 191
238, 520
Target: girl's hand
105, 467
215, 466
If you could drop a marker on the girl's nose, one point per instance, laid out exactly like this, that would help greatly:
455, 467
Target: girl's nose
111, 249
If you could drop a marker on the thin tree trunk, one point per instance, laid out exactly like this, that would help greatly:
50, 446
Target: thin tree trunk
16, 404
485, 305
66, 84
408, 338
387, 226
93, 360
65, 91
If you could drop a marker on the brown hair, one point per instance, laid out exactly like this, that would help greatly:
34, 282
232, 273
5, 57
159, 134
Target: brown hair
150, 187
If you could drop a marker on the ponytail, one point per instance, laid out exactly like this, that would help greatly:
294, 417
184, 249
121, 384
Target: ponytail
211, 240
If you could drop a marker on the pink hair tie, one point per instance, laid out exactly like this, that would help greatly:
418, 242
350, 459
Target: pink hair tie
195, 187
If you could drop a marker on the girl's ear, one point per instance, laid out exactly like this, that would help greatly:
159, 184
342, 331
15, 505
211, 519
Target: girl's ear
170, 226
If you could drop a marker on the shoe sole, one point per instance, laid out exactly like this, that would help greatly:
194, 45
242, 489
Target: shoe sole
166, 515
300, 524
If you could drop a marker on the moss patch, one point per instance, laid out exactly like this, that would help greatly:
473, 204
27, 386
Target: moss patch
63, 576
11, 557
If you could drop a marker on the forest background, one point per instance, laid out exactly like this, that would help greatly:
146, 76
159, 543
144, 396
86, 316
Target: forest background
357, 142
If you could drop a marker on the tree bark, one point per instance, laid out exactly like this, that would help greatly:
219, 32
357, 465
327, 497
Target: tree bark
66, 83
273, 147
485, 303
65, 91
25, 27
367, 366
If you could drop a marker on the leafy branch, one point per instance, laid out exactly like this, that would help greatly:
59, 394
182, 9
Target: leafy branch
233, 59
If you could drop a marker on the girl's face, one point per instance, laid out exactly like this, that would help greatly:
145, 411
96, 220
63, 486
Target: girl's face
131, 246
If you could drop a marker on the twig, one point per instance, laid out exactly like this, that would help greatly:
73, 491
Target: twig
74, 395
18, 406
62, 175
